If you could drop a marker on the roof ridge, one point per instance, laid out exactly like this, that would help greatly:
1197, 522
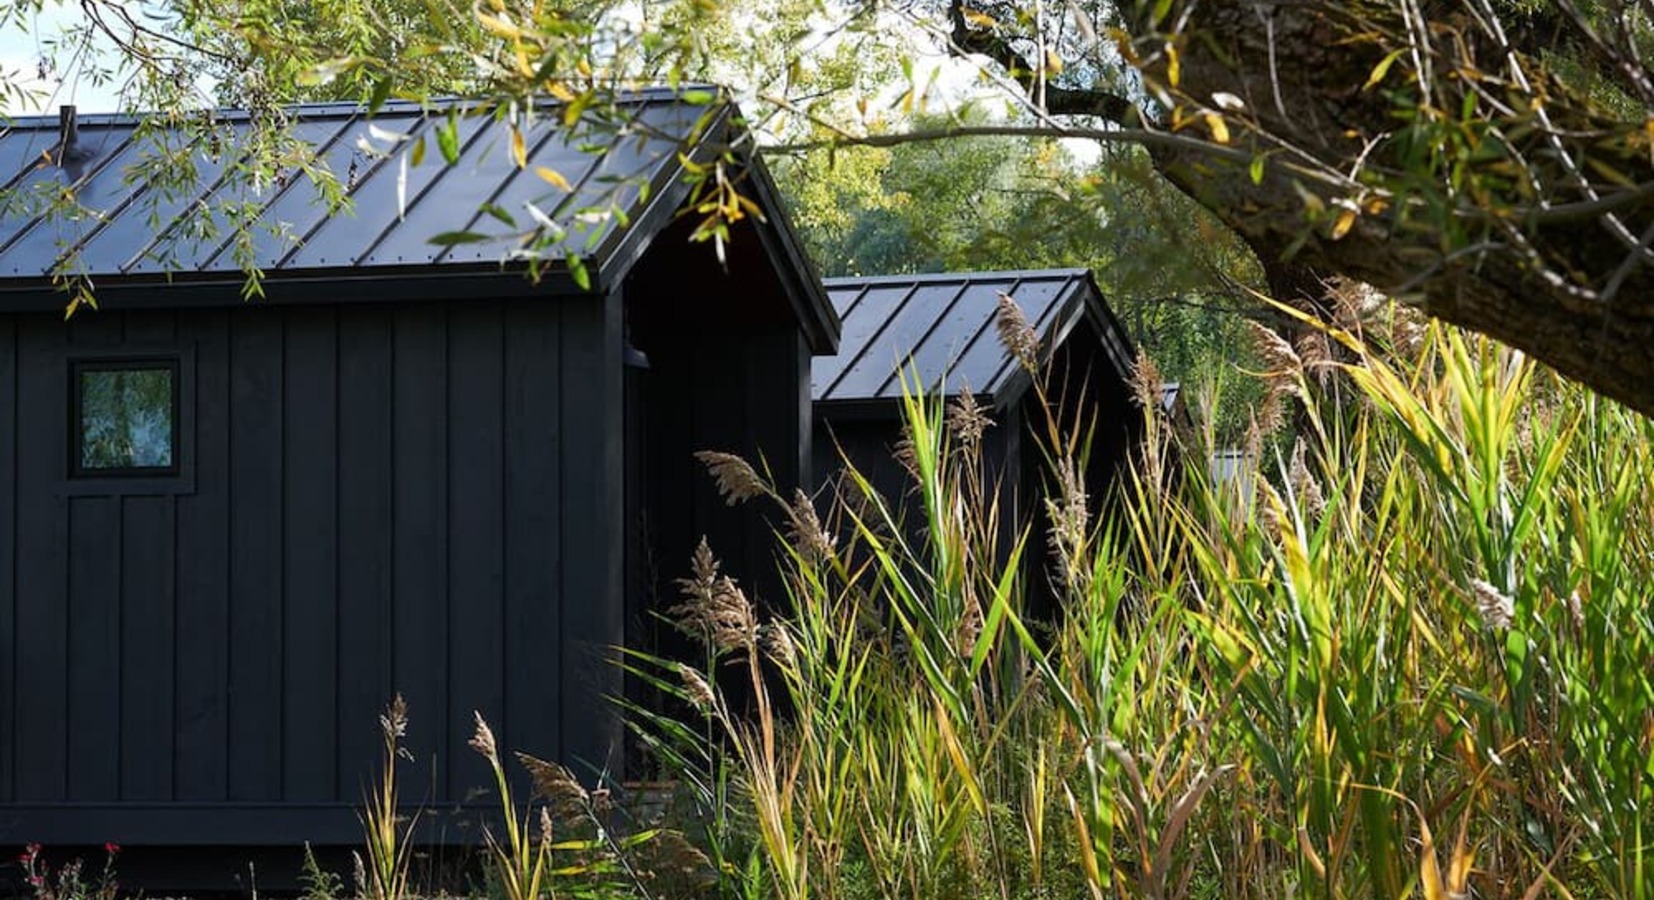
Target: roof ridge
958, 276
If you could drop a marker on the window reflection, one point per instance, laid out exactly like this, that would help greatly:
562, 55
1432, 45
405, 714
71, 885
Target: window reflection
126, 418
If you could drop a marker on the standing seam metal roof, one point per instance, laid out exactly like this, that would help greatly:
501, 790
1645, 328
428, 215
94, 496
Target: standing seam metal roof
939, 330
126, 228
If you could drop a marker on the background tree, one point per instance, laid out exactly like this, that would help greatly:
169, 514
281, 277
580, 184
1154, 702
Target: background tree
1486, 160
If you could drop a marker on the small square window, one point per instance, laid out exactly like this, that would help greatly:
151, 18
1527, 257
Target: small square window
125, 418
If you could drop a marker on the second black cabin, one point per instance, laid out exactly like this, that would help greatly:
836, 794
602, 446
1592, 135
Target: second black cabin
939, 332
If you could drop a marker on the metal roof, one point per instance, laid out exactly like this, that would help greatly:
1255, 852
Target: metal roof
940, 329
130, 231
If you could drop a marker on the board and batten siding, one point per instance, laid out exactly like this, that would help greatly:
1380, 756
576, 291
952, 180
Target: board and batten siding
419, 498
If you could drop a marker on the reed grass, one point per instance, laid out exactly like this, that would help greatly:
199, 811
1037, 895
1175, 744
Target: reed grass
1408, 654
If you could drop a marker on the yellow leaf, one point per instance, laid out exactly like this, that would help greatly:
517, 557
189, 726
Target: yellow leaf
1382, 69
1430, 875
1341, 226
1174, 68
980, 19
519, 149
499, 25
552, 176
1220, 129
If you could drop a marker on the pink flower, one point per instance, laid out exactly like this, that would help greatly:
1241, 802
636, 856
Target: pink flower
111, 848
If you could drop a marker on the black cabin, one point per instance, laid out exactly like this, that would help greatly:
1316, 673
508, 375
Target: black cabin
231, 530
939, 331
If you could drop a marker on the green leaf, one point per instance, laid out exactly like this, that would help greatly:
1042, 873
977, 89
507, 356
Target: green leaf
499, 213
1256, 169
447, 138
381, 93
577, 271
451, 238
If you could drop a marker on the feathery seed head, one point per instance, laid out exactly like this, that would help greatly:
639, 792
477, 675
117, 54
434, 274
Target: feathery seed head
1016, 334
737, 480
698, 691
1146, 383
394, 721
779, 643
1497, 610
1304, 483
483, 740
554, 784
804, 529
967, 421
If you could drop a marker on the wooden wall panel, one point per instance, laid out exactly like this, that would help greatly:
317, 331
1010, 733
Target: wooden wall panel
476, 578
534, 560
146, 652
202, 603
365, 539
256, 535
40, 741
309, 605
8, 553
419, 460
591, 532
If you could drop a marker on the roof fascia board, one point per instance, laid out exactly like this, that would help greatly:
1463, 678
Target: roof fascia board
405, 284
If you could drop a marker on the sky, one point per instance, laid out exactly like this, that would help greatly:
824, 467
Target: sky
21, 50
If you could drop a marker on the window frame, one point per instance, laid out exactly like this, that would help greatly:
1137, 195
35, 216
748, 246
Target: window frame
179, 477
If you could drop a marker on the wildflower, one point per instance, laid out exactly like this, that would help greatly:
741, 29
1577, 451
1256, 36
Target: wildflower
1015, 334
737, 480
1497, 610
111, 848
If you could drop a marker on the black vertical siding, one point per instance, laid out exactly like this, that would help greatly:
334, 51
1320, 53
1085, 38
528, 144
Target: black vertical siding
365, 490
40, 742
419, 458
592, 507
255, 553
475, 629
383, 498
146, 650
533, 495
309, 605
94, 633
8, 555
202, 625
